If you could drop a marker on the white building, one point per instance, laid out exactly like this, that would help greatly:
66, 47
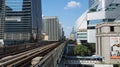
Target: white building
81, 28
101, 11
81, 37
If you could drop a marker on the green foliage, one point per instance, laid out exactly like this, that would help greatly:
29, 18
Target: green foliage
119, 65
116, 65
81, 50
71, 41
91, 47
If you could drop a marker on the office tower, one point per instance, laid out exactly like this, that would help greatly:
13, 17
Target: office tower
101, 11
19, 18
51, 27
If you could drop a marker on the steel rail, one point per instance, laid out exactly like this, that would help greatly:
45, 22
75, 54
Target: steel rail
19, 58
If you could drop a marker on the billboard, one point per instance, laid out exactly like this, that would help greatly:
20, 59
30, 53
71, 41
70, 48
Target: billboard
115, 47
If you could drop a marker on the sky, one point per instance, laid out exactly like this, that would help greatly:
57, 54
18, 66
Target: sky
67, 11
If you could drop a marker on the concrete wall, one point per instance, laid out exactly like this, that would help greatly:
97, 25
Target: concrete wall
96, 15
53, 58
91, 36
103, 65
81, 22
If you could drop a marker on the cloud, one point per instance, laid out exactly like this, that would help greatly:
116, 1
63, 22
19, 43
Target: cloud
72, 4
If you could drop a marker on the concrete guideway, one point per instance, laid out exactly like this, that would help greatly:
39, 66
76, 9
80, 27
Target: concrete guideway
19, 59
53, 58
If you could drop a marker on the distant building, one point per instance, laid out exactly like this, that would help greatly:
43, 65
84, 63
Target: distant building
61, 32
108, 42
101, 11
82, 36
51, 28
72, 34
18, 18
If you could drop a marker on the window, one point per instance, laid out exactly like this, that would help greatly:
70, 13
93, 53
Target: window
93, 27
94, 22
111, 28
111, 7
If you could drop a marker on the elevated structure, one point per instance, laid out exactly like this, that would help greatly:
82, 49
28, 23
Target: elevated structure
41, 56
53, 58
78, 60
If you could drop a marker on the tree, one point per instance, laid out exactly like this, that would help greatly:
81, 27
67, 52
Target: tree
91, 47
81, 50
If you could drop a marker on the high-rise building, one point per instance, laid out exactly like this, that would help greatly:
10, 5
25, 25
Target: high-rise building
18, 20
51, 27
61, 32
101, 11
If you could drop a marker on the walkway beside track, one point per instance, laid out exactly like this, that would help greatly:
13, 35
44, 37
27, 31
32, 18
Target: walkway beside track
53, 58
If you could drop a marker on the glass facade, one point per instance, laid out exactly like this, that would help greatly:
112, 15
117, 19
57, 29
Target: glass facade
94, 22
113, 6
91, 2
81, 35
19, 18
2, 14
37, 16
98, 21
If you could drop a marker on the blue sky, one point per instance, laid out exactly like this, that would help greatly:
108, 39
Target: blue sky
67, 11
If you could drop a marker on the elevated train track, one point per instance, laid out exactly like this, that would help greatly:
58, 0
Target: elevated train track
23, 59
15, 49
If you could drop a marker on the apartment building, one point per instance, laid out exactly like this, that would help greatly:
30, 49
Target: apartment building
51, 28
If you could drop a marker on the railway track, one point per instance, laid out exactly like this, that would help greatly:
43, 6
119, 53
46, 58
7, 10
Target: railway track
16, 49
24, 58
